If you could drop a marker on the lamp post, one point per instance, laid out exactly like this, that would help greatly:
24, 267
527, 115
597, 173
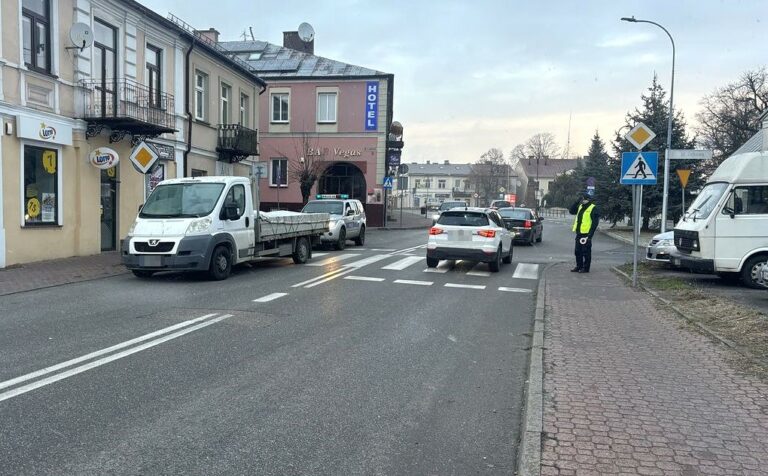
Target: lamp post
665, 196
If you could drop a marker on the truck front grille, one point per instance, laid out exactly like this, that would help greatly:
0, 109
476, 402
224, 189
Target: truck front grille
686, 240
144, 247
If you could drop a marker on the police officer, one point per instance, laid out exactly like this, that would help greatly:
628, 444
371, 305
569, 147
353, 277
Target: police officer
584, 225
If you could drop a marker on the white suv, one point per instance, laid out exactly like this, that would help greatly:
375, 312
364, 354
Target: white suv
473, 234
347, 219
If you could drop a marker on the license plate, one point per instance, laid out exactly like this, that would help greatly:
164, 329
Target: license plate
150, 260
459, 235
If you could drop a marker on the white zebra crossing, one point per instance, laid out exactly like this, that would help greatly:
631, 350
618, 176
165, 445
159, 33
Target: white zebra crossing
404, 263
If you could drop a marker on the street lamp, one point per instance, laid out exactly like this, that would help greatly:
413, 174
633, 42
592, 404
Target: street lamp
665, 196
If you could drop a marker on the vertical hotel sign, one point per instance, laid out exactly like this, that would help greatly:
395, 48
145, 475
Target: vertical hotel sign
371, 105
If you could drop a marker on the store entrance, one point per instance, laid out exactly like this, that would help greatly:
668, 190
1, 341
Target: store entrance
109, 209
343, 178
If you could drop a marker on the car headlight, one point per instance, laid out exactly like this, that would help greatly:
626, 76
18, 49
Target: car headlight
332, 224
203, 225
132, 228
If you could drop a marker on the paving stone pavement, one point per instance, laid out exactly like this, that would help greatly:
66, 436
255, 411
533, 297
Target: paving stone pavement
627, 390
45, 274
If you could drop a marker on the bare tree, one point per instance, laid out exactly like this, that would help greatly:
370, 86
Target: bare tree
489, 174
730, 115
307, 164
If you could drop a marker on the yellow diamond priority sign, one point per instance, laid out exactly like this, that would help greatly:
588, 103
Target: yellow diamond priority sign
640, 135
143, 157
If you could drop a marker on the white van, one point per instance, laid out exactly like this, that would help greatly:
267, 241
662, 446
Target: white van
725, 230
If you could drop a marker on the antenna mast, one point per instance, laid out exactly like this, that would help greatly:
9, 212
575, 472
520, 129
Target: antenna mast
568, 141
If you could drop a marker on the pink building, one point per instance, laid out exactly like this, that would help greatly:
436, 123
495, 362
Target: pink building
319, 115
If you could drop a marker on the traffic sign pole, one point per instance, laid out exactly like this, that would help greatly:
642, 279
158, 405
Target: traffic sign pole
637, 205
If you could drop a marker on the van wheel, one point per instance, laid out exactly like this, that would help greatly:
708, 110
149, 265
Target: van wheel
750, 271
495, 265
221, 263
432, 262
342, 242
140, 273
360, 240
301, 253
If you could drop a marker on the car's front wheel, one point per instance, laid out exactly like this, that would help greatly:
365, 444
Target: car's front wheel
342, 242
221, 263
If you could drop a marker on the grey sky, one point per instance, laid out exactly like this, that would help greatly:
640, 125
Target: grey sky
474, 75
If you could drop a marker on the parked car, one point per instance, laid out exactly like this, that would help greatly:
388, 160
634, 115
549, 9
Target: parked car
496, 204
348, 220
446, 206
660, 247
473, 234
526, 224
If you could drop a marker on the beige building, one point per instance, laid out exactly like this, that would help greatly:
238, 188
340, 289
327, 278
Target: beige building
83, 84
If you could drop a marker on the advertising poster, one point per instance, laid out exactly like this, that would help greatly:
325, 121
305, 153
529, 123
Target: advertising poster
49, 207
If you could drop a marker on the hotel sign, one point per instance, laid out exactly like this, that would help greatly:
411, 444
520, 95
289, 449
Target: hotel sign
372, 106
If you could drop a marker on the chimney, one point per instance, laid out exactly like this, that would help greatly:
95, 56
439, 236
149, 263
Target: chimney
211, 34
427, 162
447, 162
292, 40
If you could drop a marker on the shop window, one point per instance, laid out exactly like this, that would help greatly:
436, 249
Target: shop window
326, 108
279, 173
280, 104
35, 19
41, 186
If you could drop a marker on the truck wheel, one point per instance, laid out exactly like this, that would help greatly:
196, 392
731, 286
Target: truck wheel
432, 262
221, 263
360, 240
301, 253
495, 265
749, 273
342, 242
140, 273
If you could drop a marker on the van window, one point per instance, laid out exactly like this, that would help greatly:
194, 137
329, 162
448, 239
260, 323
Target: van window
706, 201
751, 200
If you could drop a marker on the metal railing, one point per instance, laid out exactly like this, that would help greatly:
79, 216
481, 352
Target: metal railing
231, 55
237, 140
126, 100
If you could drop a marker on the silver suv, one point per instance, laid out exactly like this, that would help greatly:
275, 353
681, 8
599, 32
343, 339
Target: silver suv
347, 219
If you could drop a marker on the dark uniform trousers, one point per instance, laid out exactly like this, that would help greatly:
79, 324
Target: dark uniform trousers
583, 253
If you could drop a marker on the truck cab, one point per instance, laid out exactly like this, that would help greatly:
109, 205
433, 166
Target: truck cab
725, 230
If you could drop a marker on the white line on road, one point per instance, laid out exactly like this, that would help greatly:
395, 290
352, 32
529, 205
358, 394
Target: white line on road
442, 268
417, 283
476, 272
97, 363
408, 250
330, 278
516, 290
404, 263
318, 278
318, 255
68, 363
383, 249
364, 278
464, 286
526, 271
366, 261
270, 297
335, 259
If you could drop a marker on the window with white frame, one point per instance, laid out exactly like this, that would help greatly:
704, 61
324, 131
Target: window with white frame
457, 183
226, 97
41, 186
441, 183
244, 110
417, 183
280, 105
201, 93
279, 172
326, 108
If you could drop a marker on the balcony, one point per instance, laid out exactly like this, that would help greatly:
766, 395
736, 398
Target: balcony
127, 107
237, 142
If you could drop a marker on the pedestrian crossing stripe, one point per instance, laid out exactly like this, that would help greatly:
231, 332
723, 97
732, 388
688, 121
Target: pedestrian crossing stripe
639, 168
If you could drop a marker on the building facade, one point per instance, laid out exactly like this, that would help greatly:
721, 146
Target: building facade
434, 183
541, 173
74, 113
323, 117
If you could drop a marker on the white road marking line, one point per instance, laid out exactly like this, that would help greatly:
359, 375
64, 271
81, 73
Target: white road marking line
334, 259
476, 272
366, 261
383, 249
442, 268
335, 271
516, 290
409, 250
464, 286
68, 363
97, 363
270, 297
364, 278
330, 278
404, 263
452, 338
526, 271
417, 283
318, 255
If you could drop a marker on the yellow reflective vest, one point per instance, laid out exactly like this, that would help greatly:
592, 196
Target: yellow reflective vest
586, 220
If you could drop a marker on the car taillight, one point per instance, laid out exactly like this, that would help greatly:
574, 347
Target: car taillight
435, 230
527, 223
487, 233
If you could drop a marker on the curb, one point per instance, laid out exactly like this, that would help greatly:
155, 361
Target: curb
686, 317
529, 454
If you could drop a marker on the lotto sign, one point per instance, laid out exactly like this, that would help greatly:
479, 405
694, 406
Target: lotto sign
103, 158
639, 168
371, 105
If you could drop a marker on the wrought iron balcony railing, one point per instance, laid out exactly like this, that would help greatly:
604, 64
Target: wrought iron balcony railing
237, 142
127, 107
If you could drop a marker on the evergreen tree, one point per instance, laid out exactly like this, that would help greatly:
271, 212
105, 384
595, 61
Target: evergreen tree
654, 113
565, 188
613, 198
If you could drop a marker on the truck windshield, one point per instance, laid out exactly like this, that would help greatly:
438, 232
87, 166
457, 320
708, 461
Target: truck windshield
330, 207
706, 201
182, 200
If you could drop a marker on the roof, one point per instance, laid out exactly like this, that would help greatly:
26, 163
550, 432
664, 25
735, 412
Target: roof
550, 168
439, 169
273, 61
754, 144
742, 168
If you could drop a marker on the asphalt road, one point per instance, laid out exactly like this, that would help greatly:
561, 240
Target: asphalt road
358, 363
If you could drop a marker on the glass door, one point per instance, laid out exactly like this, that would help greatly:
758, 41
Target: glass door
109, 209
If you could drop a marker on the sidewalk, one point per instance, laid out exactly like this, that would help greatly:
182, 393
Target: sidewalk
45, 274
628, 389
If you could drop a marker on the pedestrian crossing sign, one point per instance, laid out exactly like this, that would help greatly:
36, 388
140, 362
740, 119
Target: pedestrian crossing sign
639, 168
387, 182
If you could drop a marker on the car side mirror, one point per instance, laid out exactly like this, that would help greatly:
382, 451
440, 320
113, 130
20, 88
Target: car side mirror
350, 212
231, 211
730, 211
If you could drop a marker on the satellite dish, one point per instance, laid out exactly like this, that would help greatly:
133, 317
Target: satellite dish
81, 36
306, 32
